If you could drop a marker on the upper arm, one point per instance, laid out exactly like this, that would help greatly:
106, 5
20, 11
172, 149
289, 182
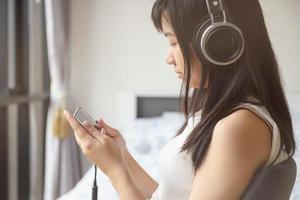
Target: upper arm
240, 144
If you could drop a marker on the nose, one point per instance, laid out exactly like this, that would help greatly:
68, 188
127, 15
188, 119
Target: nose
170, 59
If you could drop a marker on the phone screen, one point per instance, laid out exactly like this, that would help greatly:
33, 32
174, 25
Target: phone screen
81, 115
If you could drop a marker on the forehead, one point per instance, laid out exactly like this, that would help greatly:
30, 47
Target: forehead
166, 26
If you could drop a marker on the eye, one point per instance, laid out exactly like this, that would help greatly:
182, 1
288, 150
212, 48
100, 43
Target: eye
173, 44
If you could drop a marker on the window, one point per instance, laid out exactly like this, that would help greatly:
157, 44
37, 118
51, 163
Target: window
24, 89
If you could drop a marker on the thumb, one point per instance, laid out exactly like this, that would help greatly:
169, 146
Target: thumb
93, 131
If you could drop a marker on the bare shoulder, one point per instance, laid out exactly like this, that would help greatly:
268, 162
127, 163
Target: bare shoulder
244, 118
240, 144
245, 132
245, 123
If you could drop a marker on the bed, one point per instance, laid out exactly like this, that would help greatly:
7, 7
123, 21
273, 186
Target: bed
155, 121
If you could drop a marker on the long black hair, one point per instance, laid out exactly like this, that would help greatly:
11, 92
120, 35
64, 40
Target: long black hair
255, 74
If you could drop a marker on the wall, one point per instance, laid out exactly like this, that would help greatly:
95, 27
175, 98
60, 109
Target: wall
116, 51
282, 18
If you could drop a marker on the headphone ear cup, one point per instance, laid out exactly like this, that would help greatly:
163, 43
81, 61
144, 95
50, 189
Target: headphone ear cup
200, 29
220, 43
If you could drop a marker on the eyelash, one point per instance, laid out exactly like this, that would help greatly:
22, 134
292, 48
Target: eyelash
173, 44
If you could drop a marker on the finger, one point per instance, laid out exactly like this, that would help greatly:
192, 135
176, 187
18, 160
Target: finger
106, 137
87, 125
99, 134
78, 140
78, 129
102, 124
109, 130
93, 131
110, 133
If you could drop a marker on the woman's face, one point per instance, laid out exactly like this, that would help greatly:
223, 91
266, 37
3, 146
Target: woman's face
175, 57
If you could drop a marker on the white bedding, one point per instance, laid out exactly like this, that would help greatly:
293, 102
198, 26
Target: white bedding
145, 137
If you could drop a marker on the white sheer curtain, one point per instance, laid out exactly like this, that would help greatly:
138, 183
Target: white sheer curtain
36, 112
62, 156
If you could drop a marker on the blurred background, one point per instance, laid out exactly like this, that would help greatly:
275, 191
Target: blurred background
106, 56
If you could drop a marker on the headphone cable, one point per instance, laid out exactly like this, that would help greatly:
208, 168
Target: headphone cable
95, 187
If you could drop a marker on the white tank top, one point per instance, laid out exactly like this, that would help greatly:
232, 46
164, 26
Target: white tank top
176, 169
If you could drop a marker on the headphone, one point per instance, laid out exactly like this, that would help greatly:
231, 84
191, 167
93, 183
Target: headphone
216, 40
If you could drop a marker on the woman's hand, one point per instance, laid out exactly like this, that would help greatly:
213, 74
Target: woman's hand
114, 134
143, 181
98, 147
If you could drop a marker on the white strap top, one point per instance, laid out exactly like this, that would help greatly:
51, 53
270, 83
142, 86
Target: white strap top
176, 169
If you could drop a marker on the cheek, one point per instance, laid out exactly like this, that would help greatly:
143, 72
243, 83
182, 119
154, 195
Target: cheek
179, 58
196, 74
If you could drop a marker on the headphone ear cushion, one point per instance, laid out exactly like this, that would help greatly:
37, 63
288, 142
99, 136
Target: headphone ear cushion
218, 43
199, 30
223, 44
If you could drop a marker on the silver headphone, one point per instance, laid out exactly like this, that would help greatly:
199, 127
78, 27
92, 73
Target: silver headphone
216, 40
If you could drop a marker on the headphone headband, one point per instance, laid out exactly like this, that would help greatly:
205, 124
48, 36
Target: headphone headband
216, 40
214, 6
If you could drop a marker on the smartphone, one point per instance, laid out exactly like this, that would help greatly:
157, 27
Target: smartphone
81, 115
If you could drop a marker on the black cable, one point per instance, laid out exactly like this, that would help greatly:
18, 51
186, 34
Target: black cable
95, 187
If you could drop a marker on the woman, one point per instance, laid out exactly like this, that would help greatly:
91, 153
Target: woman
237, 121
